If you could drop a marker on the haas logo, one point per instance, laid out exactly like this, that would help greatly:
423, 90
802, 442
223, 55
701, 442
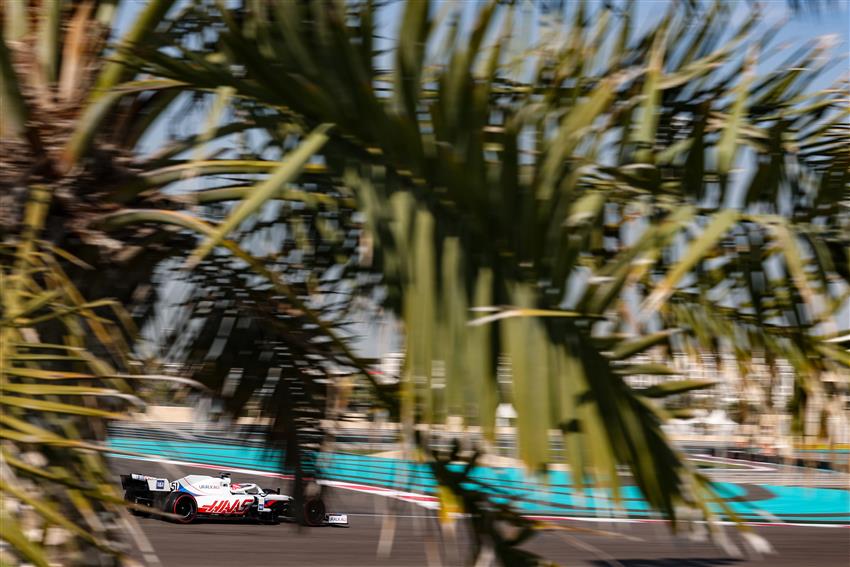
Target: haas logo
227, 507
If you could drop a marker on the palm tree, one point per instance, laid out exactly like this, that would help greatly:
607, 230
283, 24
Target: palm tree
73, 295
578, 198
590, 196
65, 362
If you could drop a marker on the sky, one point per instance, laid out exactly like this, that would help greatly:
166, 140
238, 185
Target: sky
833, 17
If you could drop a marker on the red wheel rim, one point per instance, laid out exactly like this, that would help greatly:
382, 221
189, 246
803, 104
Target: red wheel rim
184, 506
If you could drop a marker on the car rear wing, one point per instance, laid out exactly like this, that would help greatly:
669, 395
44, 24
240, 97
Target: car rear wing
143, 483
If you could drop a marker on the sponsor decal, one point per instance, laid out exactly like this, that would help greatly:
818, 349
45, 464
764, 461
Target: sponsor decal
337, 518
160, 484
235, 507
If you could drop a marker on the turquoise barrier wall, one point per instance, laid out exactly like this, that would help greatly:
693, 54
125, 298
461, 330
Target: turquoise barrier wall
553, 494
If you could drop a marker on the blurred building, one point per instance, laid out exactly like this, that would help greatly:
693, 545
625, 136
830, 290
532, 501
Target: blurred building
757, 399
743, 404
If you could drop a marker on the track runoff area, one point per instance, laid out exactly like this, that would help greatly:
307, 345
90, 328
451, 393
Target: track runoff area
803, 514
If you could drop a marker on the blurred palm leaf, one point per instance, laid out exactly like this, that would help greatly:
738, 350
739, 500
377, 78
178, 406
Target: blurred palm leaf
75, 123
257, 197
48, 430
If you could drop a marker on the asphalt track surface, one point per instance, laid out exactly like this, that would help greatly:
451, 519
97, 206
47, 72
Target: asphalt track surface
392, 533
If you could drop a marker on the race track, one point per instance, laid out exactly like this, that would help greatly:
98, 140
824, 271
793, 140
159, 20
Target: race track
755, 492
416, 539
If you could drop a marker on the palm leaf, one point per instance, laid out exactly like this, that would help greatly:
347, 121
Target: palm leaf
285, 173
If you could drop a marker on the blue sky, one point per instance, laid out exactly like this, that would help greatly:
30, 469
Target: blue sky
831, 18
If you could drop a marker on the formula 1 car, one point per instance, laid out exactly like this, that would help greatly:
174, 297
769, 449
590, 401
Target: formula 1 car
200, 496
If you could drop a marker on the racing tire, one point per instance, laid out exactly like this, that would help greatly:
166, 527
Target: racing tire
314, 512
183, 505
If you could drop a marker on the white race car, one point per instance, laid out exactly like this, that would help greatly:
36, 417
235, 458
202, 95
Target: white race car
197, 496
